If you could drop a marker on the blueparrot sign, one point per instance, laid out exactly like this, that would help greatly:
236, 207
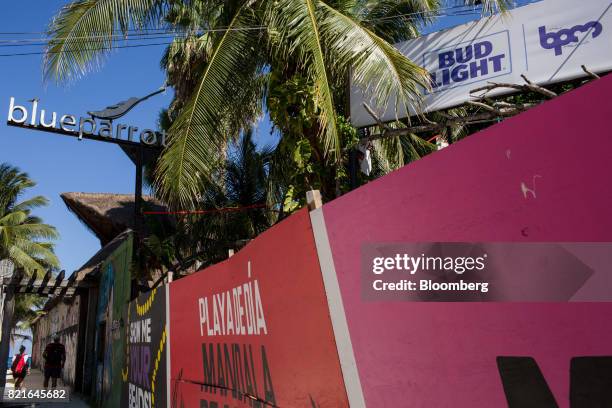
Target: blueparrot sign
97, 126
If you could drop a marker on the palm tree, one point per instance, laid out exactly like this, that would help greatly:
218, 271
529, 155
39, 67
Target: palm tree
24, 238
244, 41
245, 187
27, 308
234, 209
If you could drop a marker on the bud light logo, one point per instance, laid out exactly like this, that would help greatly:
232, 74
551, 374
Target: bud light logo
479, 59
557, 40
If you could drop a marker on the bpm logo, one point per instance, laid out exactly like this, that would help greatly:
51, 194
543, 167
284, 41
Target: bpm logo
479, 59
557, 40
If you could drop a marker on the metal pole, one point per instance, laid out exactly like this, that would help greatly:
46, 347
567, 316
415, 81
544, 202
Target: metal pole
353, 165
138, 196
7, 269
138, 223
354, 161
7, 323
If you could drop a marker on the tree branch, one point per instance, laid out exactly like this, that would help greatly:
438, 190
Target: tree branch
528, 86
592, 75
493, 110
489, 115
373, 114
484, 106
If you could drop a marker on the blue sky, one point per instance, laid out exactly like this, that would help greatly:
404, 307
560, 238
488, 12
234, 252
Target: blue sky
61, 164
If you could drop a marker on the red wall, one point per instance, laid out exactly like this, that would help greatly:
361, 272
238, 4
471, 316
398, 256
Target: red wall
299, 345
412, 354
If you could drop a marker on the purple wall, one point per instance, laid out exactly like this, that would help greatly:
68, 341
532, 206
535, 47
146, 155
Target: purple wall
412, 354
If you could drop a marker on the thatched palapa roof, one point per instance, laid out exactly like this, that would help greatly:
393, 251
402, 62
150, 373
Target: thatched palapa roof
107, 215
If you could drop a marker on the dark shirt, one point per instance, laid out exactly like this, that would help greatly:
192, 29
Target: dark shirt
55, 355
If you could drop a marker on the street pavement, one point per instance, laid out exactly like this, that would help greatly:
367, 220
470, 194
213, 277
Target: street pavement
35, 380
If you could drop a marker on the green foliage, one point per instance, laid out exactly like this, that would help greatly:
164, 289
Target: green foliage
243, 185
291, 103
160, 249
27, 308
84, 31
235, 208
347, 132
291, 202
396, 21
24, 238
298, 163
197, 142
491, 6
222, 84
298, 36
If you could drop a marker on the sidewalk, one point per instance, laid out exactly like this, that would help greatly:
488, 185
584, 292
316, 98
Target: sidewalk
35, 380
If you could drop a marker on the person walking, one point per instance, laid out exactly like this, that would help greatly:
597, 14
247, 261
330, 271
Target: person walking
55, 357
20, 367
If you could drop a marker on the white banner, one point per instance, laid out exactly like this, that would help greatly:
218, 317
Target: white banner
546, 41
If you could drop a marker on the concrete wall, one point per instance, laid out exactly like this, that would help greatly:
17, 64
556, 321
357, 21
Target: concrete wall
62, 319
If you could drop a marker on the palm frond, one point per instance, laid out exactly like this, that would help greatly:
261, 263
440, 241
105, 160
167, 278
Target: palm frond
381, 164
183, 61
491, 6
377, 67
391, 149
31, 203
13, 183
296, 29
196, 139
35, 231
85, 31
398, 20
415, 147
23, 236
24, 260
13, 218
39, 251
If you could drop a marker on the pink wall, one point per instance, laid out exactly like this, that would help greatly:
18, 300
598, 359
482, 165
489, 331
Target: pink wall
412, 354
